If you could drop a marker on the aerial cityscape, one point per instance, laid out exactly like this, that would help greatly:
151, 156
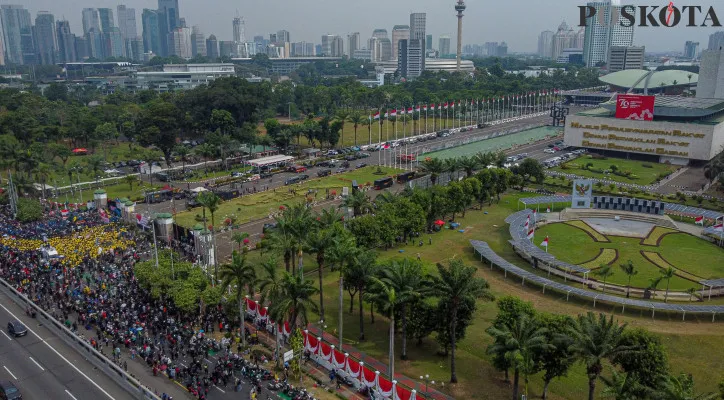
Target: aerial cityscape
445, 200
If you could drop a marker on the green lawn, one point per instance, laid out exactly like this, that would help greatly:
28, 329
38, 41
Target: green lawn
644, 175
260, 205
120, 190
685, 252
497, 143
692, 347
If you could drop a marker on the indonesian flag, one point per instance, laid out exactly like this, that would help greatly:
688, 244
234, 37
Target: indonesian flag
719, 228
535, 215
531, 234
452, 104
394, 113
409, 110
545, 242
548, 209
386, 146
527, 222
64, 212
444, 106
417, 108
387, 114
424, 108
699, 220
377, 115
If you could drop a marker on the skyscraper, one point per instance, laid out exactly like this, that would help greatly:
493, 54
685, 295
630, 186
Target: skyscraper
444, 45
716, 40
283, 36
90, 20
711, 75
239, 28
379, 33
327, 45
621, 58
337, 47
428, 42
399, 32
168, 20
212, 47
691, 49
16, 27
353, 43
545, 44
385, 49
151, 31
416, 45
136, 49
66, 42
106, 18
113, 44
81, 48
95, 44
198, 42
603, 31
180, 42
127, 25
225, 48
564, 38
45, 37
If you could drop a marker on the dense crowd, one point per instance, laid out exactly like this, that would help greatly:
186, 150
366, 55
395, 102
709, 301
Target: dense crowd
94, 292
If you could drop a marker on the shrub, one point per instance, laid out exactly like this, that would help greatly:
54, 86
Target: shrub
29, 210
647, 165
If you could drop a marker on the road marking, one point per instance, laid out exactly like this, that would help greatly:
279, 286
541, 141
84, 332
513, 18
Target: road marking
36, 363
6, 335
11, 374
59, 355
220, 389
70, 394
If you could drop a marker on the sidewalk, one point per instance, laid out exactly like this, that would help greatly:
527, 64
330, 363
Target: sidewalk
159, 384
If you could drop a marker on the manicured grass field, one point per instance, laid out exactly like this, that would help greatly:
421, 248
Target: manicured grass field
260, 205
685, 252
644, 175
120, 190
692, 347
497, 143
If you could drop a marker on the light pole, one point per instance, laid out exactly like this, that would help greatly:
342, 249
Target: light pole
289, 104
426, 379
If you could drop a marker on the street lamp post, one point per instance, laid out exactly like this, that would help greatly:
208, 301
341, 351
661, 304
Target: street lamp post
426, 379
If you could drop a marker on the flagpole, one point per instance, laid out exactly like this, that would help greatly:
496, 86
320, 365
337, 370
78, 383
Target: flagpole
379, 139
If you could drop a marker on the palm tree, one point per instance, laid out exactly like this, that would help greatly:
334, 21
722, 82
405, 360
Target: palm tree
358, 201
406, 278
469, 165
654, 284
42, 173
342, 116
518, 342
595, 340
457, 284
283, 241
452, 165
667, 274
183, 153
383, 294
239, 275
630, 270
356, 119
318, 242
95, 164
205, 151
604, 272
681, 388
328, 217
622, 386
269, 284
432, 166
238, 238
210, 201
294, 299
359, 275
692, 292
342, 254
386, 198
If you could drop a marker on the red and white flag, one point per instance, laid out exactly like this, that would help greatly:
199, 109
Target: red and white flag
409, 110
527, 222
545, 242
548, 209
393, 113
699, 220
535, 215
531, 234
377, 115
417, 109
719, 228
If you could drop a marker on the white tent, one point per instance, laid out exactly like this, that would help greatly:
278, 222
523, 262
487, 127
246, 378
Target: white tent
199, 189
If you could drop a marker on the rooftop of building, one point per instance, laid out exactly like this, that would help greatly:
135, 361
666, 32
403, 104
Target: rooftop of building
641, 78
672, 108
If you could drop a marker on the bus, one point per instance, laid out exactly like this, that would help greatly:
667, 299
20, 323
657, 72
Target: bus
383, 183
406, 177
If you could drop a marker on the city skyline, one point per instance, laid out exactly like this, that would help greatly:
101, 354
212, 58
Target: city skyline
259, 20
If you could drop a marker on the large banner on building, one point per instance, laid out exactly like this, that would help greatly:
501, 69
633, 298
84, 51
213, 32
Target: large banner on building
634, 106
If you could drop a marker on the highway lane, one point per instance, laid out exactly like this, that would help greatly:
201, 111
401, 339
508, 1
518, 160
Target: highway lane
43, 367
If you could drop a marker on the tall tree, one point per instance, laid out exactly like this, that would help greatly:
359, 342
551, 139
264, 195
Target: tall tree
630, 271
294, 300
359, 275
432, 166
318, 242
211, 201
356, 119
240, 277
605, 272
384, 296
667, 274
406, 277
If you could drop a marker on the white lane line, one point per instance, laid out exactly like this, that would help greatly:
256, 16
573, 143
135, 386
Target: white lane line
11, 374
220, 389
71, 395
36, 363
61, 356
6, 335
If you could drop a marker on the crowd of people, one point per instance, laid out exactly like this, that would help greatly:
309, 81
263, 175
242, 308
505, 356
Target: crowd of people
92, 289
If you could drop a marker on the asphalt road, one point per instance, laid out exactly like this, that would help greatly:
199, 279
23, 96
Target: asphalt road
43, 367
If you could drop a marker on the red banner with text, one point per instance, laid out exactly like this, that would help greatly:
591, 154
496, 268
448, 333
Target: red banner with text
635, 107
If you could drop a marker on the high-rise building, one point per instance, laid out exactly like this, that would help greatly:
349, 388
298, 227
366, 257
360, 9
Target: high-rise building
180, 41
353, 43
113, 43
151, 31
198, 42
399, 32
375, 48
212, 47
106, 18
444, 45
545, 44
502, 50
691, 49
337, 47
428, 42
379, 33
417, 41
135, 49
385, 49
604, 31
402, 57
302, 49
16, 28
283, 36
94, 39
45, 38
168, 20
711, 75
621, 58
127, 25
564, 38
327, 45
716, 40
410, 57
66, 42
226, 47
81, 48
239, 30
90, 20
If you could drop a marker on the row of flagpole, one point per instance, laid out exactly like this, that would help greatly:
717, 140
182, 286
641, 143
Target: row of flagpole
717, 227
475, 111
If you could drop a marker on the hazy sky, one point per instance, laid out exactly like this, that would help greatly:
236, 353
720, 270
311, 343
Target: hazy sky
517, 22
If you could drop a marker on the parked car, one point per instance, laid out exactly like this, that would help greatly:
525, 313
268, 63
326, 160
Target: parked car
8, 391
549, 151
268, 227
332, 152
16, 328
303, 177
297, 168
324, 172
361, 165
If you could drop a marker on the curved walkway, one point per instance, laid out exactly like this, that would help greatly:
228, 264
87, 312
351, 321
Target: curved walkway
494, 259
